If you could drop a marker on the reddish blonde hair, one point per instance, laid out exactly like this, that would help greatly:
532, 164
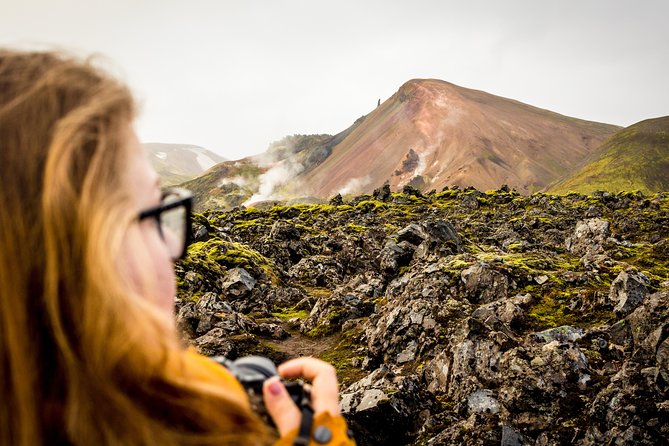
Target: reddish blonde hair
83, 359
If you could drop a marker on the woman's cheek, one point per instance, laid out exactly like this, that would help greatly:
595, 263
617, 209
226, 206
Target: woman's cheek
163, 271
148, 267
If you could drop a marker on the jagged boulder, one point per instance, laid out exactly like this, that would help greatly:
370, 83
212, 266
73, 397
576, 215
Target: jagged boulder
404, 332
589, 237
353, 300
384, 408
237, 284
628, 291
484, 284
436, 238
285, 297
318, 271
208, 310
504, 315
382, 193
283, 244
395, 255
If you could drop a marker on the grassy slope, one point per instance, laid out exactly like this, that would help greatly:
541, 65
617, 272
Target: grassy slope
636, 158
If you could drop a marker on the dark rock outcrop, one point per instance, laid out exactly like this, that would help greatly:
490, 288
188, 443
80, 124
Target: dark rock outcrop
457, 317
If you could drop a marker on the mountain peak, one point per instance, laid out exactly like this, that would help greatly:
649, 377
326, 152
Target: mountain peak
456, 136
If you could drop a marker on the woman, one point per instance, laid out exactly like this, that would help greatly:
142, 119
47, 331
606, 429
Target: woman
88, 346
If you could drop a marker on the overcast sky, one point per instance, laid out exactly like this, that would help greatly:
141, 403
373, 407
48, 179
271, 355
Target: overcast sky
233, 76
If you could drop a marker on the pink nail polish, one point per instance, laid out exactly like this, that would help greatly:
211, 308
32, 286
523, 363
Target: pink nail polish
275, 388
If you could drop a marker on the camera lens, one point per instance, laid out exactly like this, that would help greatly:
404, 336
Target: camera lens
254, 368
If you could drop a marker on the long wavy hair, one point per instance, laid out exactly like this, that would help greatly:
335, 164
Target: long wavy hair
84, 359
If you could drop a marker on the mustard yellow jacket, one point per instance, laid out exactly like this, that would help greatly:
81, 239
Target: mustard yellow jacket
326, 430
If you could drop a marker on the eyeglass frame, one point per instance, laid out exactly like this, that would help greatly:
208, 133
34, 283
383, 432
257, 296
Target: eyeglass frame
185, 200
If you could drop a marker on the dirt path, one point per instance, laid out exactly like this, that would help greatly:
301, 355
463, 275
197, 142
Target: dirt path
300, 345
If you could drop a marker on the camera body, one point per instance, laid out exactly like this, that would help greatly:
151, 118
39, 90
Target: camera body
252, 371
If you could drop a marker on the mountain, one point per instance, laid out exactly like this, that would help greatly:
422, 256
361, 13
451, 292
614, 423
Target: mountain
635, 158
432, 134
176, 163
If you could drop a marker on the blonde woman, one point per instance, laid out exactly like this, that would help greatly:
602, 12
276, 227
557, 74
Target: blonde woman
89, 353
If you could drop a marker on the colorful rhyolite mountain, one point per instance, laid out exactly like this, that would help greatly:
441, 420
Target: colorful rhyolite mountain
430, 134
635, 158
434, 134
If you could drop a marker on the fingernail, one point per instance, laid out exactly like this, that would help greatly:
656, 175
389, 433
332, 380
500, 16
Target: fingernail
275, 388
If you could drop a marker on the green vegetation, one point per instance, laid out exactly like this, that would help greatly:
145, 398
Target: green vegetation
344, 358
215, 256
634, 159
286, 314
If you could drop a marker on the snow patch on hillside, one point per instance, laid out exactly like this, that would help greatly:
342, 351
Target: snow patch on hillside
204, 161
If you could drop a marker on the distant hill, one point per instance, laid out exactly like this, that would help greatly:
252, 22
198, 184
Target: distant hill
176, 163
635, 158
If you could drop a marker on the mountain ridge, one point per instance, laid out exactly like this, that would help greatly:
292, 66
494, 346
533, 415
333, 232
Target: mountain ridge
429, 135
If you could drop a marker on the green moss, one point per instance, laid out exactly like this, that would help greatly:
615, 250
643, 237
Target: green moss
482, 201
356, 228
553, 311
286, 314
318, 292
448, 194
456, 265
371, 206
216, 253
592, 355
342, 356
242, 225
515, 247
550, 312
390, 228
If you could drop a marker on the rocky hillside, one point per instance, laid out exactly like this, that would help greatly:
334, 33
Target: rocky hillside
636, 158
456, 317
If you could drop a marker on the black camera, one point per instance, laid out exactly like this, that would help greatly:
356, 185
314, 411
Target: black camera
252, 371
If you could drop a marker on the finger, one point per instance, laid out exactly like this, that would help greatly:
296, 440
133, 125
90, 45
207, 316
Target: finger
323, 378
280, 406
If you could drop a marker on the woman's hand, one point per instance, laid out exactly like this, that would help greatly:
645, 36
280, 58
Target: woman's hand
324, 392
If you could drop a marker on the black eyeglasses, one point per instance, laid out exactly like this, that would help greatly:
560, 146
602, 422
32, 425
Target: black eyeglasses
174, 220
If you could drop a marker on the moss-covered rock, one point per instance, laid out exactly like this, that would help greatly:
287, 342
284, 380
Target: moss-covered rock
468, 290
